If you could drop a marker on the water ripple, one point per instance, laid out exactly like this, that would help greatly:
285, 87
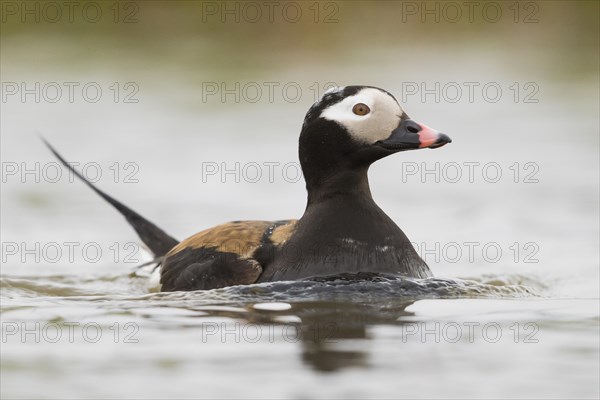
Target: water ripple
342, 288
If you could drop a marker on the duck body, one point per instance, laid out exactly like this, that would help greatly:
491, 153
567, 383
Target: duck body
346, 234
342, 230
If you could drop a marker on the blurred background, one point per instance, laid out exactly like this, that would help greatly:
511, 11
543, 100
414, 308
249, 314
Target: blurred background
189, 112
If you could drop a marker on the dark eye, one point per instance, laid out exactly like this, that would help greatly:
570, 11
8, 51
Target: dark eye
361, 109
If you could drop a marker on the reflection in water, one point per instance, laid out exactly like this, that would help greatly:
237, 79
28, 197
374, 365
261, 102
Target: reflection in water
326, 316
325, 325
287, 331
323, 329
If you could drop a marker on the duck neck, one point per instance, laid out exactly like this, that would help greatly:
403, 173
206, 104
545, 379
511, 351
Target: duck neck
350, 184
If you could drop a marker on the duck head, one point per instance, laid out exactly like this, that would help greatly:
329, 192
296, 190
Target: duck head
351, 127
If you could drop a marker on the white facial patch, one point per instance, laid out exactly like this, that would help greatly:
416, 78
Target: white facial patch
334, 89
377, 125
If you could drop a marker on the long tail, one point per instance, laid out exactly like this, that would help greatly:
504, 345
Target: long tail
157, 240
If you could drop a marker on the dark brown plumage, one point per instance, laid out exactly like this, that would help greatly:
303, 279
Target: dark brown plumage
226, 255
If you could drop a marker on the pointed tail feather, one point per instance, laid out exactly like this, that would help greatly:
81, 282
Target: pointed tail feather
157, 240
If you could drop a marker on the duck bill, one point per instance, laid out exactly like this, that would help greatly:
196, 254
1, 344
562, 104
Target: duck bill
410, 135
